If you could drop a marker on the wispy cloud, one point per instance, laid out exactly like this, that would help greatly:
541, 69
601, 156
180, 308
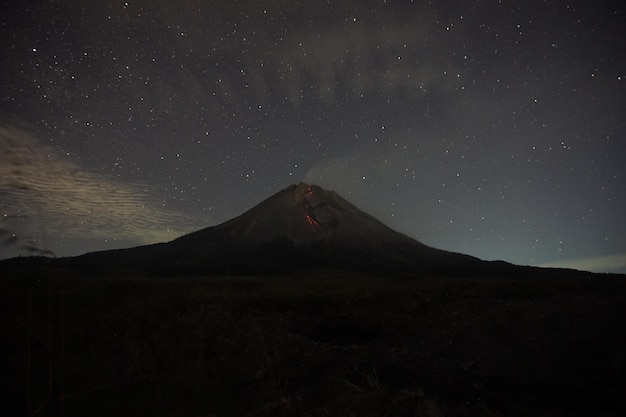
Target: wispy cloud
362, 59
42, 189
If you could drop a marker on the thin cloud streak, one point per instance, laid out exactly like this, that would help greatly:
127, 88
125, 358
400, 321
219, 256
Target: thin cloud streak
53, 194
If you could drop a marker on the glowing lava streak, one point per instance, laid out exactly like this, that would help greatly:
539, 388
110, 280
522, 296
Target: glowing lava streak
312, 221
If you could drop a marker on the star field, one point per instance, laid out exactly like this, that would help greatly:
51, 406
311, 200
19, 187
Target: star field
496, 129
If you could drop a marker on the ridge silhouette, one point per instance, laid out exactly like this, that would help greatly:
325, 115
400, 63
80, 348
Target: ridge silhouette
301, 227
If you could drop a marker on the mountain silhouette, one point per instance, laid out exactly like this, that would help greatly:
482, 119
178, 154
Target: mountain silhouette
301, 227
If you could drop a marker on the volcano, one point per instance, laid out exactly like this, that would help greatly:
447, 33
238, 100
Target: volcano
301, 227
304, 227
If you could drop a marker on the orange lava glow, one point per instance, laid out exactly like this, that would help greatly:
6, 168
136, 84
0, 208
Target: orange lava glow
312, 221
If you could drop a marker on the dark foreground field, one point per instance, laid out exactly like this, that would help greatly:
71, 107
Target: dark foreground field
317, 344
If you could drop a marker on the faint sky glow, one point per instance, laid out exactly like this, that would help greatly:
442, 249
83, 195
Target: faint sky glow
488, 128
612, 263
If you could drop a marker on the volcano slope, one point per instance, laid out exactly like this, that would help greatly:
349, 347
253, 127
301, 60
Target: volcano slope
333, 333
299, 228
306, 227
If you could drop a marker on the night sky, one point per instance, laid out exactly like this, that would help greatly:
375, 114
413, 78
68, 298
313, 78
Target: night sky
491, 128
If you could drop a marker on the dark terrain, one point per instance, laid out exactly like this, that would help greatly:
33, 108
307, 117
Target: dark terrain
325, 343
306, 306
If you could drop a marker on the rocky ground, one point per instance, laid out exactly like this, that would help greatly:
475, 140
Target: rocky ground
323, 343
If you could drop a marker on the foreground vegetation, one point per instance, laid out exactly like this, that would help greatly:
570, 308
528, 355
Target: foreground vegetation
323, 343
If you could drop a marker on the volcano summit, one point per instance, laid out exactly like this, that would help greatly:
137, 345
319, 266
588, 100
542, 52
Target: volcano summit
300, 227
